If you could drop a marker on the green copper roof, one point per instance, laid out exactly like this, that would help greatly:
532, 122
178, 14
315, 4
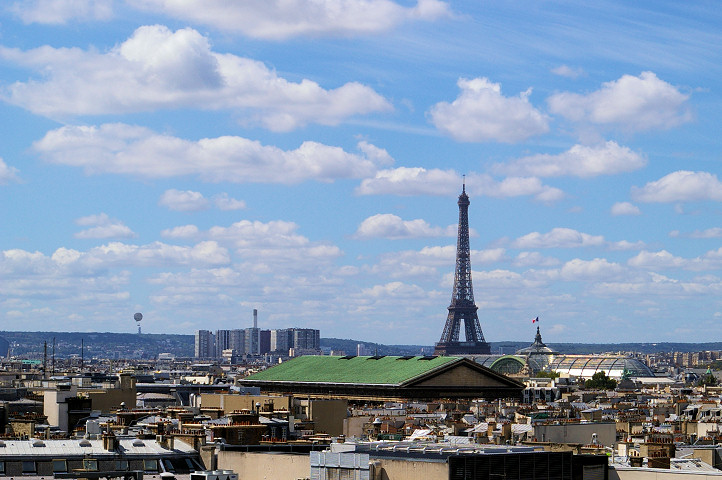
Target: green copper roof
385, 370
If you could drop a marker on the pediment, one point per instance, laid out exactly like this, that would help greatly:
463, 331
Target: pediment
462, 375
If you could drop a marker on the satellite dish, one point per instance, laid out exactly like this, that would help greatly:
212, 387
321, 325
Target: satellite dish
138, 317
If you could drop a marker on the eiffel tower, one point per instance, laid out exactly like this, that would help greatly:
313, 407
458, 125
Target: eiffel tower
462, 299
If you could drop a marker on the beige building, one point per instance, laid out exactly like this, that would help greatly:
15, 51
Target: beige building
404, 461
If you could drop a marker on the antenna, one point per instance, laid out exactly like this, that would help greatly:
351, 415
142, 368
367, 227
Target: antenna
463, 183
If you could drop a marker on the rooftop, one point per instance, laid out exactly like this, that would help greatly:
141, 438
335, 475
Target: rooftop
376, 370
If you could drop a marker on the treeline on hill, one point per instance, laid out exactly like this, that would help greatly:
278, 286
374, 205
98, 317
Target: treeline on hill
149, 345
98, 344
508, 347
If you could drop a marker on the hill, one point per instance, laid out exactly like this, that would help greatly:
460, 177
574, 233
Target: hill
149, 345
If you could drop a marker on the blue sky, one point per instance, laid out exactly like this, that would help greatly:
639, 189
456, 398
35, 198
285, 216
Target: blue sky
194, 160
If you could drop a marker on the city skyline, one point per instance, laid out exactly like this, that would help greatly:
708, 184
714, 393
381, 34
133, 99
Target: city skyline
196, 163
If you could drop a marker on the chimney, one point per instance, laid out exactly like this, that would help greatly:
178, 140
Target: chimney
255, 318
110, 441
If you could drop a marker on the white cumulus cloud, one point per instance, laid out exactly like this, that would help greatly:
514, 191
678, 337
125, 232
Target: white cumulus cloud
422, 181
70, 262
681, 186
714, 232
579, 161
534, 259
102, 226
625, 208
654, 260
386, 225
184, 201
226, 203
411, 181
125, 149
394, 290
596, 270
481, 113
273, 245
559, 238
634, 103
183, 231
160, 69
279, 20
7, 173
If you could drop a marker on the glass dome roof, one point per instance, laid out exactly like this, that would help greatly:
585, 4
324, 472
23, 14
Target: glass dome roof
585, 366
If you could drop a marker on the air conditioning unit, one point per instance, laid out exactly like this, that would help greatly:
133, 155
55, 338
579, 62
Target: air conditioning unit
214, 475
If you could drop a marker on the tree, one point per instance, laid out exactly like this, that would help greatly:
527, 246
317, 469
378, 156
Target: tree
547, 374
600, 381
708, 379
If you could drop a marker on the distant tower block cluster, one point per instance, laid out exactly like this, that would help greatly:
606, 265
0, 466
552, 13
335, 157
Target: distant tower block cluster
255, 341
462, 308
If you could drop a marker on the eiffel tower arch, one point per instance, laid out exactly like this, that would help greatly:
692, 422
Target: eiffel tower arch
462, 308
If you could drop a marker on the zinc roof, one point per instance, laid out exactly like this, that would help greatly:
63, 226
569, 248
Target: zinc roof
69, 447
379, 370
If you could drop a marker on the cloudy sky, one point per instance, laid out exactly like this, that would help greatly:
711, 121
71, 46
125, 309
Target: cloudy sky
196, 159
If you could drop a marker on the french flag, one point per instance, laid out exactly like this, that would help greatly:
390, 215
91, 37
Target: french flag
534, 320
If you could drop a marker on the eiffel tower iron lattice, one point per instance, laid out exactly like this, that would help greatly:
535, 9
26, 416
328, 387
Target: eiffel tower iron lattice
462, 306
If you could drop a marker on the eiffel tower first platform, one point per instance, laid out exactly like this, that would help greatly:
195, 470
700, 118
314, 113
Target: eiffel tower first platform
462, 299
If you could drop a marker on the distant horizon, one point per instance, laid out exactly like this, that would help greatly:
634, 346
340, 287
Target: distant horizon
526, 341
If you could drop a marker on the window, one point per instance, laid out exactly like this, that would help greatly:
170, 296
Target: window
2, 467
60, 466
150, 465
168, 465
29, 467
121, 465
90, 464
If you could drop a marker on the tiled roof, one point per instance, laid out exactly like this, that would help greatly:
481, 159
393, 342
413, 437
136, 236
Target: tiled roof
379, 370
